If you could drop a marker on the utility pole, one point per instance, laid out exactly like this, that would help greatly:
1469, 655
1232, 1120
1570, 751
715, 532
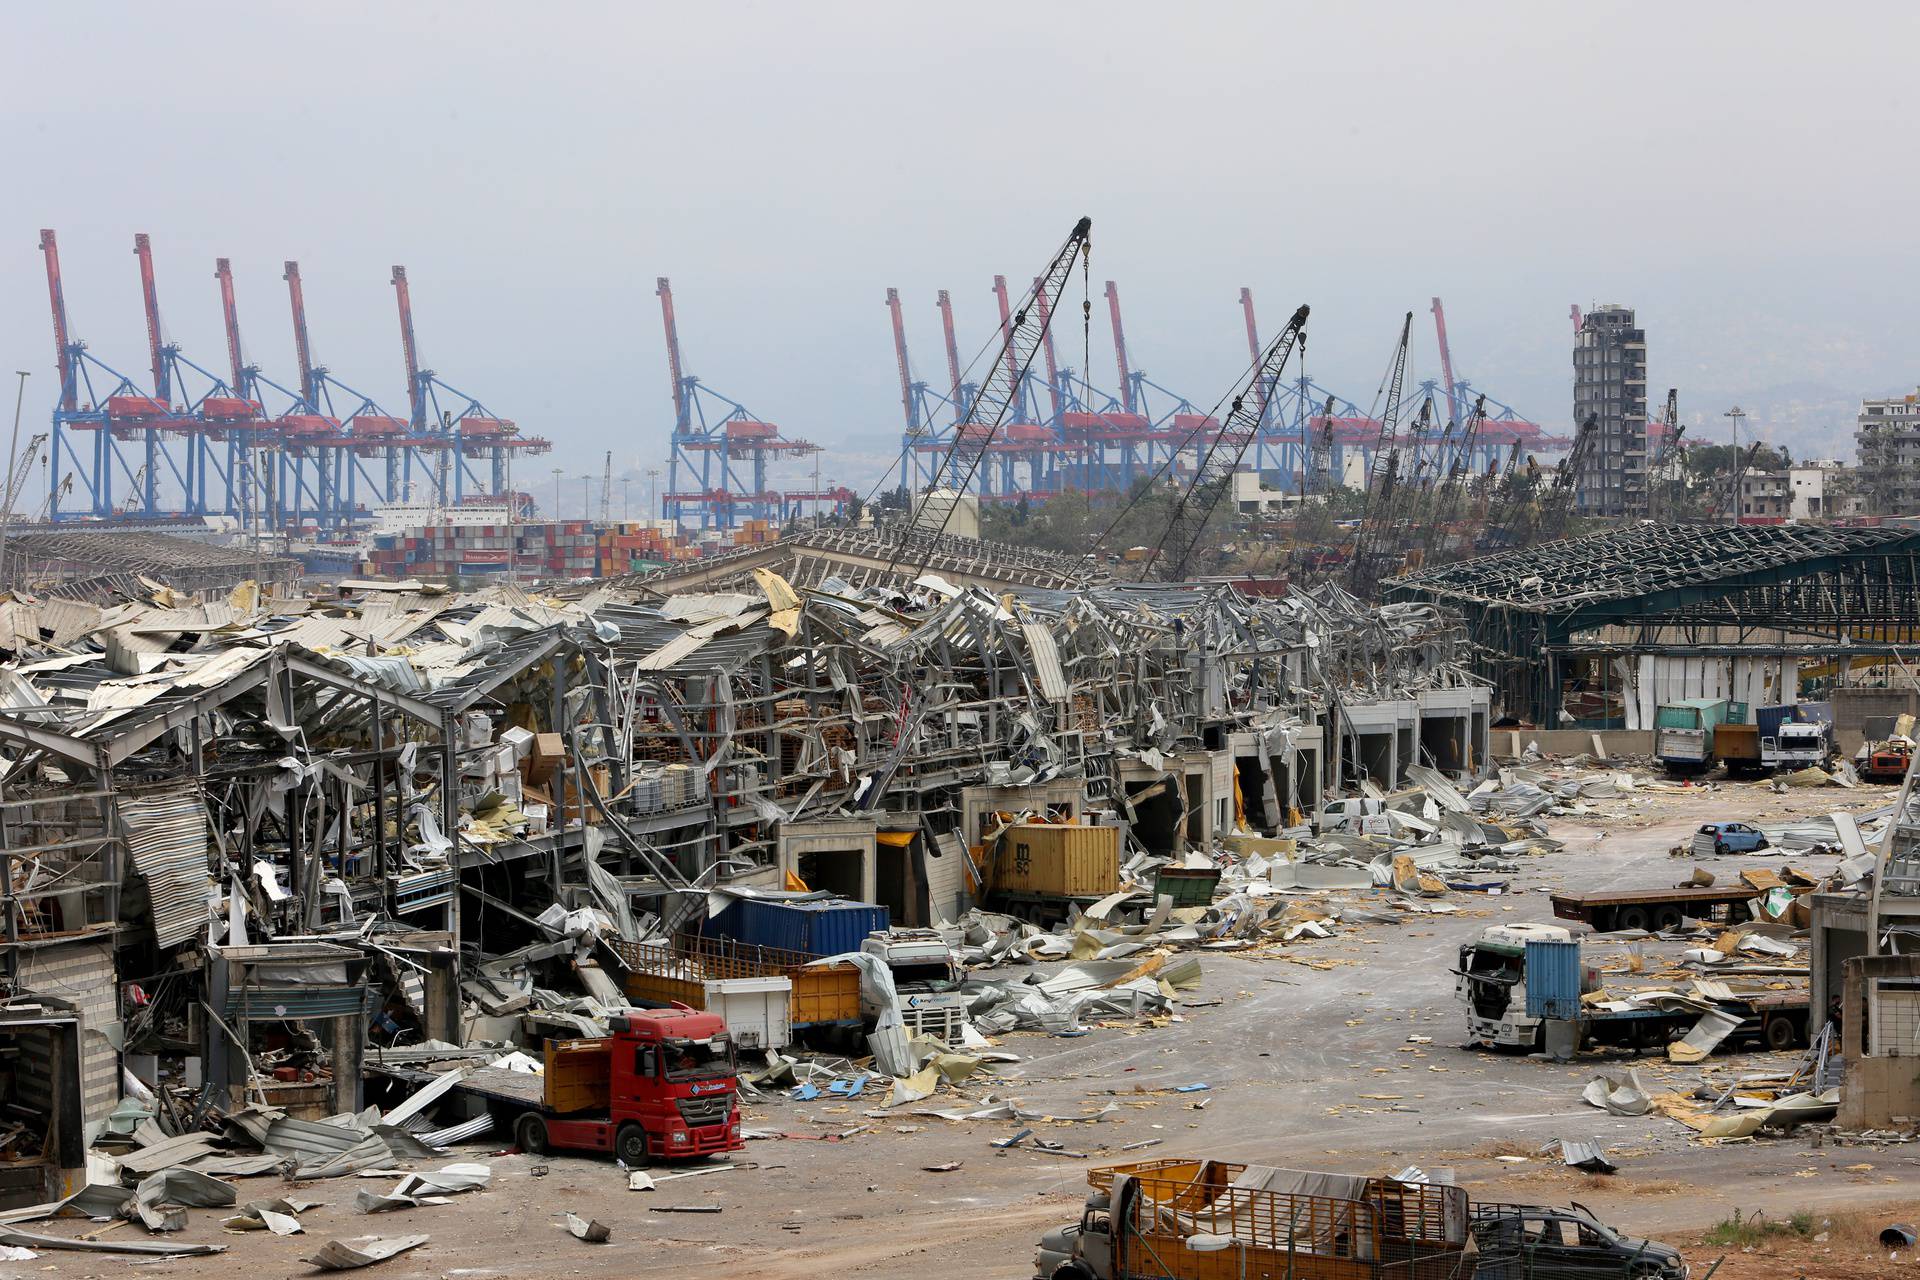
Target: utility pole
653, 495
1735, 414
13, 445
556, 493
624, 482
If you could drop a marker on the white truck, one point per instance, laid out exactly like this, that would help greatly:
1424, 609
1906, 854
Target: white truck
1796, 746
1492, 982
927, 976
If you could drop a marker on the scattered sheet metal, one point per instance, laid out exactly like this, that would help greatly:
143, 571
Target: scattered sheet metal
1714, 1026
162, 1199
592, 1230
1620, 1096
341, 1255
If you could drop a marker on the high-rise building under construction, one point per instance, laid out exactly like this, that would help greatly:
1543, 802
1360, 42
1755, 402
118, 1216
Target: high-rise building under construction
1610, 387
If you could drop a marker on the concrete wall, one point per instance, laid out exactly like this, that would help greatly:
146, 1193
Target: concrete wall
851, 837
1853, 707
1882, 1091
1509, 744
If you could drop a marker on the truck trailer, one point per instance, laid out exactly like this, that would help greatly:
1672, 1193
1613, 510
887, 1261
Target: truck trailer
1684, 731
1656, 910
1185, 1219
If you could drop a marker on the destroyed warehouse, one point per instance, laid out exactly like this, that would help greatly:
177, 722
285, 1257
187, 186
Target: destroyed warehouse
253, 840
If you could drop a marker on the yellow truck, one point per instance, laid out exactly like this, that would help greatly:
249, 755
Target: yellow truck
1183, 1219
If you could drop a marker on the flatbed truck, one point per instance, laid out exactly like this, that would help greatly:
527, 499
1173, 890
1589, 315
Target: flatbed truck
1654, 909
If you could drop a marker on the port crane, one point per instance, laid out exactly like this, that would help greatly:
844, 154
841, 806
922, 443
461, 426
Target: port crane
1023, 333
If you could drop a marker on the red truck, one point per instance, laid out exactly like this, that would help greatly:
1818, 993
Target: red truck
663, 1086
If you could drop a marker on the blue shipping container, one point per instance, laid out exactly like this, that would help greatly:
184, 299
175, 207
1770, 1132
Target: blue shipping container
1771, 718
1553, 980
815, 927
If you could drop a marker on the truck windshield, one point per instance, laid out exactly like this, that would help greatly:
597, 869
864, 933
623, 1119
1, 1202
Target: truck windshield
928, 974
698, 1060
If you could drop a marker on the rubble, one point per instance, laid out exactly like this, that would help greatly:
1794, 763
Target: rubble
392, 848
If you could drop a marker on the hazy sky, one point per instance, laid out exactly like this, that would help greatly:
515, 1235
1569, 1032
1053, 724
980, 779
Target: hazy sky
1744, 174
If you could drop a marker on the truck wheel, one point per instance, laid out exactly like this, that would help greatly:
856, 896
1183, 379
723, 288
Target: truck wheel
1634, 918
1667, 918
1071, 1271
530, 1134
1780, 1033
630, 1144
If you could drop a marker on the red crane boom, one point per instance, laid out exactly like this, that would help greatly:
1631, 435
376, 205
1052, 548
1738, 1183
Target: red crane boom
1120, 346
681, 409
416, 401
1446, 362
302, 351
1253, 349
1046, 343
69, 392
230, 316
953, 348
162, 383
900, 357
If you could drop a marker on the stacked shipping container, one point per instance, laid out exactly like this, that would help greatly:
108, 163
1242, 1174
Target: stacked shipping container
557, 549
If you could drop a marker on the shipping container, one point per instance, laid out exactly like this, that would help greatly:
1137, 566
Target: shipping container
795, 922
1058, 860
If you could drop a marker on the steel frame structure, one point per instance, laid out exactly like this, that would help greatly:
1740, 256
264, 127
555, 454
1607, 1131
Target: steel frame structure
205, 444
1693, 589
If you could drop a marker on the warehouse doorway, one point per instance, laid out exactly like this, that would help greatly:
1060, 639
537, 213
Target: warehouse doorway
838, 871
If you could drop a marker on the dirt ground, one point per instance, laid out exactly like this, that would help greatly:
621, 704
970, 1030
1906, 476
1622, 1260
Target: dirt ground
1309, 1064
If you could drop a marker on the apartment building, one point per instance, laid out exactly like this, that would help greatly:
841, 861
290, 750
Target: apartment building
1610, 386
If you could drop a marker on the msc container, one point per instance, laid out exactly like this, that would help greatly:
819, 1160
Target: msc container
1553, 979
1058, 860
757, 1011
813, 927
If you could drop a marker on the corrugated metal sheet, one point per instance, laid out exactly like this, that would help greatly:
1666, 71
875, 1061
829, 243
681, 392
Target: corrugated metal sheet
681, 646
1046, 661
167, 841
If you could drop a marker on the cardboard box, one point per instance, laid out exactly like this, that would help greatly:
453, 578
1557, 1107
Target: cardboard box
549, 750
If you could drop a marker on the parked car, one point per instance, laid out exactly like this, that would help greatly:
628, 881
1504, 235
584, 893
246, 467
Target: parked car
1531, 1242
1727, 837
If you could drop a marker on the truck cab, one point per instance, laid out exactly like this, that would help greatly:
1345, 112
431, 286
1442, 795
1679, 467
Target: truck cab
662, 1086
1796, 745
1492, 982
927, 977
